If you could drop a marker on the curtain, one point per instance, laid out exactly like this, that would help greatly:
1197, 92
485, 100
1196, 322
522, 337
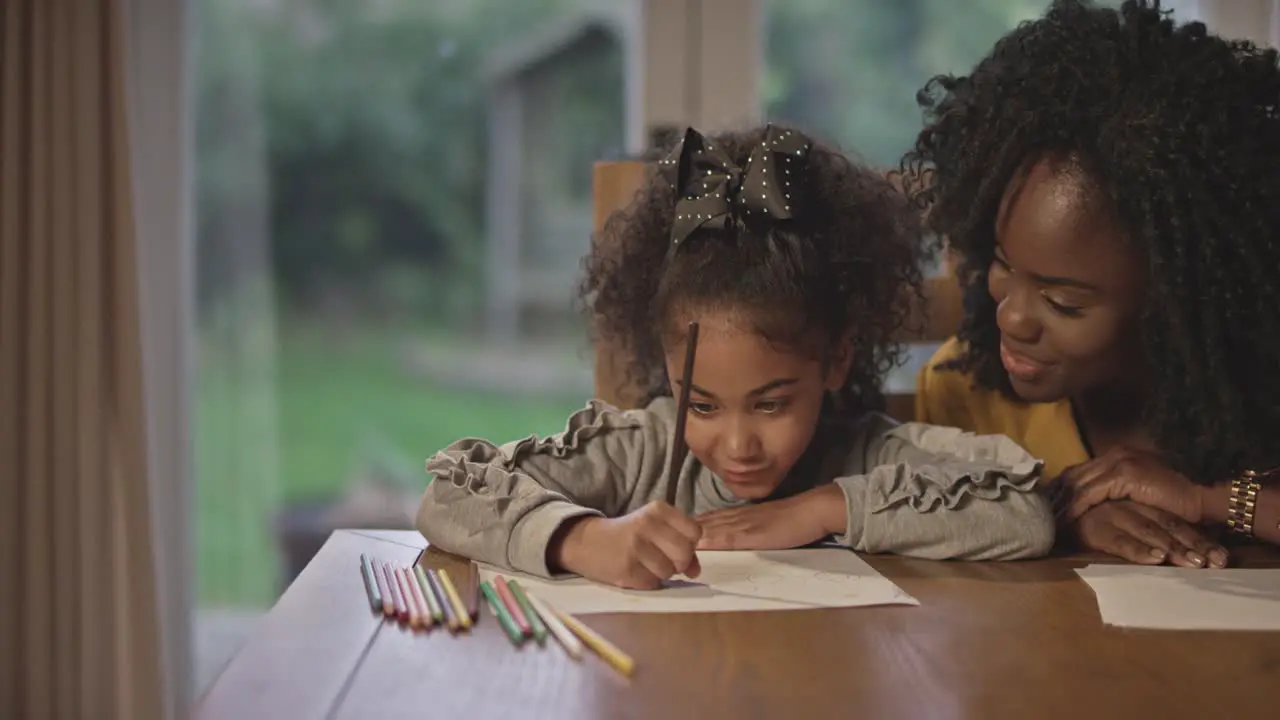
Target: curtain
157, 38
78, 630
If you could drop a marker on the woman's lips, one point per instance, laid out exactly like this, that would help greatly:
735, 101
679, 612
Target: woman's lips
1020, 366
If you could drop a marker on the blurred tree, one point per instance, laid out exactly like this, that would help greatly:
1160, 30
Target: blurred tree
374, 122
848, 70
349, 137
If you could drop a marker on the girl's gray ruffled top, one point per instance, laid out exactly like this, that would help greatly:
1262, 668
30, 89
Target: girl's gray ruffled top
911, 489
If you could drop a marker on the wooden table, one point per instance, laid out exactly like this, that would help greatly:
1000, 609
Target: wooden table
989, 640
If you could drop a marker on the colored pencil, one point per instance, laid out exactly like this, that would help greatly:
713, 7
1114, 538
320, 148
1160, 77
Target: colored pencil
433, 603
535, 622
679, 448
450, 616
605, 649
513, 605
370, 584
388, 604
424, 613
406, 591
572, 646
424, 610
455, 598
473, 592
500, 612
402, 610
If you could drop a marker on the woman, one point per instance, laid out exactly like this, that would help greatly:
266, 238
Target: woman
1111, 183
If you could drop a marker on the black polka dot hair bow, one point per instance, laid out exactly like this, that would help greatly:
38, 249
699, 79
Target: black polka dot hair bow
712, 190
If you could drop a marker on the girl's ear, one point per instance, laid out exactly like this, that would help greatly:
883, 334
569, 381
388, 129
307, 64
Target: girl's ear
838, 362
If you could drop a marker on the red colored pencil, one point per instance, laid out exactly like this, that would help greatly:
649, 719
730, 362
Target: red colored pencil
402, 610
411, 602
513, 606
424, 610
388, 603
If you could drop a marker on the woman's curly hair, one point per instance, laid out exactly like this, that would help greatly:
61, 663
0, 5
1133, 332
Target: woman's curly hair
847, 264
1179, 131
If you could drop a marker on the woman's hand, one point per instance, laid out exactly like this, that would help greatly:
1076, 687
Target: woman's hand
1125, 474
1146, 536
780, 524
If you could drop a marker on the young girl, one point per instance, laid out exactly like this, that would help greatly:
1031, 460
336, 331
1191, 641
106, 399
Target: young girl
795, 263
1111, 181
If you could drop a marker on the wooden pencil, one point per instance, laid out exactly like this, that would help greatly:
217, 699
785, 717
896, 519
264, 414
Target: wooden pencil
433, 603
406, 591
535, 622
679, 448
605, 649
452, 590
473, 592
503, 616
451, 619
513, 605
370, 584
402, 610
571, 644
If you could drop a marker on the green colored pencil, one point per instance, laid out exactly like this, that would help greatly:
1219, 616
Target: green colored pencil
535, 622
500, 611
433, 603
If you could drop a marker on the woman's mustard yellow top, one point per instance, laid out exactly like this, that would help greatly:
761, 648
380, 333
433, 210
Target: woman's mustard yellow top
1047, 430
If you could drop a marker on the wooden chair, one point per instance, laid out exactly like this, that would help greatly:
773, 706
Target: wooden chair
615, 184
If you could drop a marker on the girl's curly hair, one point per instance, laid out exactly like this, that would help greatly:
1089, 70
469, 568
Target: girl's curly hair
1179, 130
847, 264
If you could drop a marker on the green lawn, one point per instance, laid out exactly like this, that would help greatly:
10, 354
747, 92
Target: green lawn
329, 400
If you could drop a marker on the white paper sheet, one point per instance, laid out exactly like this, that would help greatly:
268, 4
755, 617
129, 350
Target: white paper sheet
1170, 598
732, 581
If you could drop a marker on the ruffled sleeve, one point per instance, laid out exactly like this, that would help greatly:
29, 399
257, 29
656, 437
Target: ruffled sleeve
942, 493
503, 504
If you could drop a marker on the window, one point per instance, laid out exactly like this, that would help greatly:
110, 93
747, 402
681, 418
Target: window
848, 70
392, 200
350, 319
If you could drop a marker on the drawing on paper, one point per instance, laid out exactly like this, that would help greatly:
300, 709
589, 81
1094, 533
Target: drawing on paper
737, 581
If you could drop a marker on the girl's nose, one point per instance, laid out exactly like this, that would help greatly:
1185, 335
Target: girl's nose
742, 442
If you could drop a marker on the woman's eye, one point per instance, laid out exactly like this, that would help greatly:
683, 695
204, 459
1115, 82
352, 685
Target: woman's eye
1063, 308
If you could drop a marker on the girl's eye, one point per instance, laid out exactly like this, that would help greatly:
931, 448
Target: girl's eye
1062, 308
701, 408
770, 407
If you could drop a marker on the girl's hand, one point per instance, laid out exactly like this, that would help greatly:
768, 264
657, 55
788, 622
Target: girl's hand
1125, 474
636, 551
796, 521
1146, 536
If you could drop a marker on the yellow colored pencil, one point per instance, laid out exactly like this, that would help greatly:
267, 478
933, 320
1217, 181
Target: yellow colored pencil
455, 599
605, 649
572, 645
